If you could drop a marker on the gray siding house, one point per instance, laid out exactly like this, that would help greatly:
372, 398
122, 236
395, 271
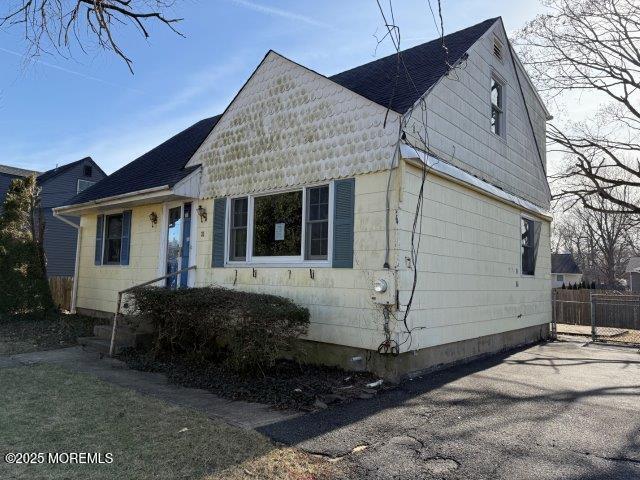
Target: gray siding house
632, 274
58, 186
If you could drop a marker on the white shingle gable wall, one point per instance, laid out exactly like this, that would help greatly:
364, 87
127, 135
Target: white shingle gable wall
458, 119
290, 126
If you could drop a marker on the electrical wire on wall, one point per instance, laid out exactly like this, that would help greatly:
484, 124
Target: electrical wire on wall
418, 115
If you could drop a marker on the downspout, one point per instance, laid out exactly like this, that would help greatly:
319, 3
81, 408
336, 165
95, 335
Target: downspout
74, 291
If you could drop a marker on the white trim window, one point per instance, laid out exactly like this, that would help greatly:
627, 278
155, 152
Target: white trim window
112, 239
83, 185
497, 107
286, 227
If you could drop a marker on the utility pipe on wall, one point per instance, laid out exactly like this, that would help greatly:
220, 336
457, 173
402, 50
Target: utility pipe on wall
74, 290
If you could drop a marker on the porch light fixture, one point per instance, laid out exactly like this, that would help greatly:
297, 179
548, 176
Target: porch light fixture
202, 213
154, 218
380, 286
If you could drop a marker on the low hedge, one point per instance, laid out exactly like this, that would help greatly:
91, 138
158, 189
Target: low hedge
245, 330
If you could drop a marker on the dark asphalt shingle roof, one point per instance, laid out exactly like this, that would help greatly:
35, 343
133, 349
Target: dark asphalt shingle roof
563, 263
376, 81
163, 165
17, 172
425, 65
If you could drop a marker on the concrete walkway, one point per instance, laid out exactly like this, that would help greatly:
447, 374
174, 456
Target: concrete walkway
241, 414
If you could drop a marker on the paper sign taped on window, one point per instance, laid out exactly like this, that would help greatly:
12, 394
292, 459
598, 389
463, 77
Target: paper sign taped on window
279, 231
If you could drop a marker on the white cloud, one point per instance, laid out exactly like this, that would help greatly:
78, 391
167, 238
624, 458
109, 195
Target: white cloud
278, 12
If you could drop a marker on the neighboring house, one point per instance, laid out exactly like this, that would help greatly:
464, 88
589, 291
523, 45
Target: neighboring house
632, 274
58, 186
305, 187
7, 175
564, 270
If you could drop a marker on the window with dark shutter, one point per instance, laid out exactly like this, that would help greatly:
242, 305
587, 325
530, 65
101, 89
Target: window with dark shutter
113, 237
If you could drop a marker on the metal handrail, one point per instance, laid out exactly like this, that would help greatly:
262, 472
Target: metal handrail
144, 284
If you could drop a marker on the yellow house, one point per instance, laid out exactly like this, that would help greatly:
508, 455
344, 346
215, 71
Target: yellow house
407, 211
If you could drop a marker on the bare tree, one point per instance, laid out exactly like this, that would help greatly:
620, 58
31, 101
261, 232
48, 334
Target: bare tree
60, 23
601, 242
592, 46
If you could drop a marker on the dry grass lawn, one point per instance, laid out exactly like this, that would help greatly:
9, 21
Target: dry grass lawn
49, 409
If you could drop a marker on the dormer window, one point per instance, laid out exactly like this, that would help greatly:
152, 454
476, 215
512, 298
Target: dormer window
497, 107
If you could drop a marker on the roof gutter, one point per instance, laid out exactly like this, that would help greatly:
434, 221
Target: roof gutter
105, 200
459, 176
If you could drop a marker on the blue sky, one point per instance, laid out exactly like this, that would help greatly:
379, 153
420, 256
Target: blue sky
58, 110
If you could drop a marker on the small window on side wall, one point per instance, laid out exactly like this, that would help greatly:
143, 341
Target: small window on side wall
113, 239
88, 170
83, 185
239, 215
530, 235
317, 230
497, 107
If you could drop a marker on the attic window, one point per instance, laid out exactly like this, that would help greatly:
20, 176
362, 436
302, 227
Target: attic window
497, 48
497, 107
88, 170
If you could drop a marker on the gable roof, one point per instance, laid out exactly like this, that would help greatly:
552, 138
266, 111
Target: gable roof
563, 263
54, 172
421, 67
160, 166
17, 172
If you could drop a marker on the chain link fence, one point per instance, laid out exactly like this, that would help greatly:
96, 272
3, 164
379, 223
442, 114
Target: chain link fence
604, 316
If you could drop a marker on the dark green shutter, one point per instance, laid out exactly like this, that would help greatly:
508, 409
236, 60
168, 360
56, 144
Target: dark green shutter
344, 194
126, 238
99, 236
219, 217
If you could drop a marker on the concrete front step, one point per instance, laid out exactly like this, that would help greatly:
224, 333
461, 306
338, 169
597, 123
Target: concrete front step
125, 336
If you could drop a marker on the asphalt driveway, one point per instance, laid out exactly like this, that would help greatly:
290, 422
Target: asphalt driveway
562, 410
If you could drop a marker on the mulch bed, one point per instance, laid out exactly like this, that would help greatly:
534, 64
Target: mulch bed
287, 385
24, 333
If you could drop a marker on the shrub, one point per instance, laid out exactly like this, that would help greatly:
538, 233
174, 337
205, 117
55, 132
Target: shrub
246, 330
23, 279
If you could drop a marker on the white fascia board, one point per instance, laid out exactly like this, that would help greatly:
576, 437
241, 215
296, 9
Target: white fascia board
189, 186
458, 175
149, 193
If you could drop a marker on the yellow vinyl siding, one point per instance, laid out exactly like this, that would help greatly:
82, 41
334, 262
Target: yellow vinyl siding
98, 285
339, 300
469, 280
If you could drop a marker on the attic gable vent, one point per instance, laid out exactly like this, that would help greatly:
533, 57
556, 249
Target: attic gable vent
497, 48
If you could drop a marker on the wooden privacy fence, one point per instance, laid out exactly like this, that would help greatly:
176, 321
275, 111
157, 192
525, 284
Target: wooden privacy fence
599, 307
61, 290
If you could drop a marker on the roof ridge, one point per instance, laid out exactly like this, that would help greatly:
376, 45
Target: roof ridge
415, 47
381, 82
